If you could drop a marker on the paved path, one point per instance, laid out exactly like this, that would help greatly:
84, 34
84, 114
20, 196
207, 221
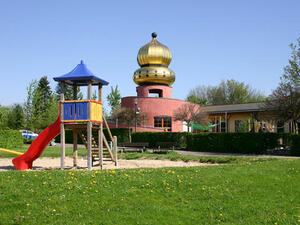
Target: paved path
231, 154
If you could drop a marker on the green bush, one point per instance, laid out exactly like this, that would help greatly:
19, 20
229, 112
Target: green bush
153, 137
28, 141
121, 133
10, 138
295, 145
246, 143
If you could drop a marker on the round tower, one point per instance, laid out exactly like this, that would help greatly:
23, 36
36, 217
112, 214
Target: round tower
154, 76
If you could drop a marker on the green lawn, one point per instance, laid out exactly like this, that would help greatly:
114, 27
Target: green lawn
246, 192
55, 152
50, 151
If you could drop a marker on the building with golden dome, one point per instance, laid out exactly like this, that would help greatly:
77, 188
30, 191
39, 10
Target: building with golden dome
154, 90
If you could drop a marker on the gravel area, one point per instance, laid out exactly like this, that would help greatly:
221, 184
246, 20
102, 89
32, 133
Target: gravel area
54, 163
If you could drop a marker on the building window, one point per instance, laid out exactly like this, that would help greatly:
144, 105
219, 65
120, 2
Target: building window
163, 122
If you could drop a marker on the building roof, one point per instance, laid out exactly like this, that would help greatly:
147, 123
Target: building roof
80, 76
246, 107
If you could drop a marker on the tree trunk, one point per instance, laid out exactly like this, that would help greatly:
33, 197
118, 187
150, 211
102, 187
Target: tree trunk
295, 127
129, 134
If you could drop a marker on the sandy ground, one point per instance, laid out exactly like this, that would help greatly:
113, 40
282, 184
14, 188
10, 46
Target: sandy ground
54, 163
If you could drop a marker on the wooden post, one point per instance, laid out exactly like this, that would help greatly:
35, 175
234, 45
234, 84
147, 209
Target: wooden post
75, 141
107, 127
75, 152
62, 130
116, 150
100, 137
89, 129
226, 121
220, 126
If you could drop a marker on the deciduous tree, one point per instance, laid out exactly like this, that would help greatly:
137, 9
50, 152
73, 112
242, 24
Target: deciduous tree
190, 113
129, 117
285, 99
114, 99
227, 92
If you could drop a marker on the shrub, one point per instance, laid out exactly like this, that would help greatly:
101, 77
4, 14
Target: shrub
121, 133
295, 145
10, 138
246, 143
28, 141
153, 137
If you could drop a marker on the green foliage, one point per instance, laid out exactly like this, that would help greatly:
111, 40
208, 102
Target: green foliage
114, 99
121, 133
285, 99
227, 92
153, 137
28, 105
255, 192
244, 143
68, 92
28, 141
294, 142
40, 108
94, 96
10, 138
4, 113
16, 117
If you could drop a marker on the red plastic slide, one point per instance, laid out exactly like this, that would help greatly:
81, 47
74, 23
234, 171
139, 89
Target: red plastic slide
34, 151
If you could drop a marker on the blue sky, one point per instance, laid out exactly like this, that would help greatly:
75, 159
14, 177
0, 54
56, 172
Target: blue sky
210, 40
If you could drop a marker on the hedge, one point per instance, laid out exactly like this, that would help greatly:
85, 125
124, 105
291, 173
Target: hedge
294, 143
121, 133
10, 138
245, 143
153, 137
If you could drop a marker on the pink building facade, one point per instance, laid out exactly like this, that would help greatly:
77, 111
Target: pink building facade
154, 90
159, 110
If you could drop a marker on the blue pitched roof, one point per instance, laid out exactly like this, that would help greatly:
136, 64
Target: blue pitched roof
81, 76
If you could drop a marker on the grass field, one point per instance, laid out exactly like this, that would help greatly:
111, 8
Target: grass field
246, 192
55, 152
52, 151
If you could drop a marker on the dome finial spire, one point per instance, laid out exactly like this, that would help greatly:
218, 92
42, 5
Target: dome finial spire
154, 35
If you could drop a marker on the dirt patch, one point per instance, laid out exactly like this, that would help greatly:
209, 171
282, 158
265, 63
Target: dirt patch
54, 163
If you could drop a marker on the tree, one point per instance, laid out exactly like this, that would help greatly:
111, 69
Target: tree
4, 112
16, 117
190, 113
40, 107
114, 99
28, 105
285, 99
129, 117
227, 92
68, 92
94, 97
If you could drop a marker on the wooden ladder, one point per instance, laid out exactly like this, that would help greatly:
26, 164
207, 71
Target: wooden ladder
107, 152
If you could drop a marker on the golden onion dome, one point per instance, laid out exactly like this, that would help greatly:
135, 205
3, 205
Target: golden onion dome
154, 59
154, 53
